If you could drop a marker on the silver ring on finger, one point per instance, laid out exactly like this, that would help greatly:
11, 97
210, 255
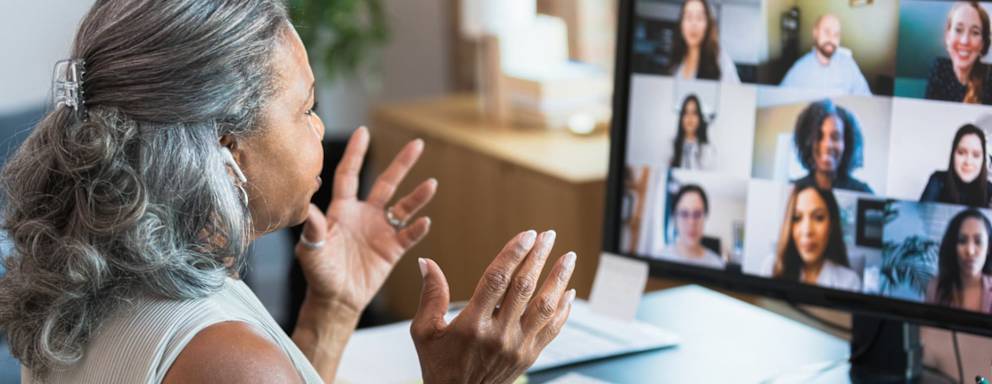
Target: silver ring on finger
314, 245
393, 220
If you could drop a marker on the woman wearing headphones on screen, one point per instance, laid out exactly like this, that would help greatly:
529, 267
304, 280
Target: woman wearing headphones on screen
828, 143
963, 77
689, 214
966, 180
692, 148
184, 130
964, 277
811, 244
697, 53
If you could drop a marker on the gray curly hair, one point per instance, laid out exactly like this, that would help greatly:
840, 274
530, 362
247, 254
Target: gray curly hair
135, 198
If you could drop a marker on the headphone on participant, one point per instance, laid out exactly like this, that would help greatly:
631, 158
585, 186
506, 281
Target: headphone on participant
229, 161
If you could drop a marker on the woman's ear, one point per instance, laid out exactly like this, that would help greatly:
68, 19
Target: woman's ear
230, 142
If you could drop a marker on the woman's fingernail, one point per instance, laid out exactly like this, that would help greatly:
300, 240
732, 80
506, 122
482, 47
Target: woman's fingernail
570, 260
549, 236
529, 238
570, 296
423, 267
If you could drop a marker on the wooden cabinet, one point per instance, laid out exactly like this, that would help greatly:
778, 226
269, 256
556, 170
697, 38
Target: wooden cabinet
493, 182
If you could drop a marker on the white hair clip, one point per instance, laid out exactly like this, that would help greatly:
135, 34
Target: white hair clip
67, 84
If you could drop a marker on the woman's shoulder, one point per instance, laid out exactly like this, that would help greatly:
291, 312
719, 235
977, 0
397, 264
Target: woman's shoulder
853, 184
727, 67
713, 258
842, 277
140, 338
936, 179
231, 352
941, 66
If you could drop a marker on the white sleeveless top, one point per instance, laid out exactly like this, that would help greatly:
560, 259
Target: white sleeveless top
139, 343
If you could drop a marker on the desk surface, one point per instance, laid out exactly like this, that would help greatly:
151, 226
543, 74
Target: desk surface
724, 340
458, 120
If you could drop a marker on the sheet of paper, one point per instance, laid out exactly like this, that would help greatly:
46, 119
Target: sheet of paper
619, 286
577, 378
380, 355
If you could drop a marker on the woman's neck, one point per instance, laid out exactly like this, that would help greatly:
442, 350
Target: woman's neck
811, 272
824, 180
962, 74
690, 137
690, 65
969, 280
689, 249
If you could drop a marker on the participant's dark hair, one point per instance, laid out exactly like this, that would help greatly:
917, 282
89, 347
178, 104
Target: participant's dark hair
809, 132
949, 282
709, 67
701, 136
976, 193
788, 262
691, 188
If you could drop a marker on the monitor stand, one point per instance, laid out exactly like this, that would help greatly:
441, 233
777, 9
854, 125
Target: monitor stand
885, 351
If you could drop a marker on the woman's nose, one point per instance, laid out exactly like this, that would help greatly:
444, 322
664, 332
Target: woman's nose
805, 228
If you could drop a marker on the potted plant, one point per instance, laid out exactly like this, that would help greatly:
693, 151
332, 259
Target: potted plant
909, 264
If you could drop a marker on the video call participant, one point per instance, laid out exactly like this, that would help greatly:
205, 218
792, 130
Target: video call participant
697, 53
966, 180
811, 244
963, 77
964, 279
689, 214
828, 143
691, 147
827, 66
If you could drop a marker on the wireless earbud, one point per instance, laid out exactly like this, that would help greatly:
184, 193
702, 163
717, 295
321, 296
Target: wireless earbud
229, 160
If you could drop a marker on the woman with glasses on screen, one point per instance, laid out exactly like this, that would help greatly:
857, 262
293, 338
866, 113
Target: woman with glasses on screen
964, 279
691, 148
811, 244
963, 77
689, 214
966, 180
697, 54
828, 142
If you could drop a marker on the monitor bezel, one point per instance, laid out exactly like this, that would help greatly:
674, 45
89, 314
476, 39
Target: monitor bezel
792, 292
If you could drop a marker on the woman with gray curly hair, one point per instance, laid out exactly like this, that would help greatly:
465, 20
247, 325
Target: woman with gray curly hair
185, 129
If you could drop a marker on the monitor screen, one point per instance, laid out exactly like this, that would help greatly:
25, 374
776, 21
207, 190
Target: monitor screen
828, 152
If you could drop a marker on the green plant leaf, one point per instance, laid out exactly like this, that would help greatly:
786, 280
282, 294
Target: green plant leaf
344, 34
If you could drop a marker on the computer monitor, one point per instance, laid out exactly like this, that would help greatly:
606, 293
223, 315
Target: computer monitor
831, 153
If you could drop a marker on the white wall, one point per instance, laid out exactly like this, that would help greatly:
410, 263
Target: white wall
33, 36
416, 61
762, 230
653, 121
922, 132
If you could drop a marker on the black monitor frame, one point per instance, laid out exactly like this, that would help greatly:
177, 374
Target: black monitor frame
794, 292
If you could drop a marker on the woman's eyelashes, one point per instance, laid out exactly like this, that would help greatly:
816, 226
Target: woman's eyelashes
312, 110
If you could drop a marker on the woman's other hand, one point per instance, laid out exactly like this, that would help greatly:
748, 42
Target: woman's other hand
360, 246
503, 329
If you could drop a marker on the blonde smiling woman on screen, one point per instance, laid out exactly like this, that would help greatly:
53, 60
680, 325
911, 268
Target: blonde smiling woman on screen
184, 130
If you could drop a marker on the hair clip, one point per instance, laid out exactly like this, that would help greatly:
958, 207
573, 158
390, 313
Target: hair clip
67, 84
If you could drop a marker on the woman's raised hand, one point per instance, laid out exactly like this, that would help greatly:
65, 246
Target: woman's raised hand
504, 327
348, 252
